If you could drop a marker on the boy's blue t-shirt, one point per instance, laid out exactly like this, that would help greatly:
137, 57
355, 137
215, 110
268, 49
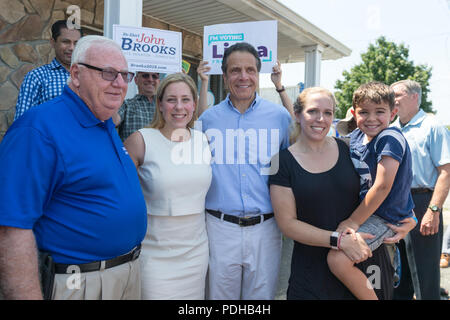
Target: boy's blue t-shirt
390, 142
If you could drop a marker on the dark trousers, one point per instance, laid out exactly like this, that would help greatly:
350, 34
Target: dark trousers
420, 257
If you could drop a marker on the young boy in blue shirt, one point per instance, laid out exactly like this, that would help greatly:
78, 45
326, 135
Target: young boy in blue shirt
382, 158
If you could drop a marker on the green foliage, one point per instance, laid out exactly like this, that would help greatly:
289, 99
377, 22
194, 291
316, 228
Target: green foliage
386, 62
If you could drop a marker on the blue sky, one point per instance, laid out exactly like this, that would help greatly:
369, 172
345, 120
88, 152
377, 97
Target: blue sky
423, 26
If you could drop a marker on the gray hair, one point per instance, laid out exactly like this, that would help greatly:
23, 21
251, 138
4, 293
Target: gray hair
86, 42
411, 87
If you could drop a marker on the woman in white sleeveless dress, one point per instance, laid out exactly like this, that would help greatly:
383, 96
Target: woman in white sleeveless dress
173, 164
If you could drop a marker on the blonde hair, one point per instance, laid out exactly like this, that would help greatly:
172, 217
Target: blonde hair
301, 102
158, 120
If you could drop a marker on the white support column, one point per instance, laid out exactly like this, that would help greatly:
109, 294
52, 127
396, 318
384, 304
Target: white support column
313, 59
123, 12
126, 13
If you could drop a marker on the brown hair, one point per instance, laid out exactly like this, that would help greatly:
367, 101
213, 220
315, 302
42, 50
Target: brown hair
158, 120
300, 103
376, 92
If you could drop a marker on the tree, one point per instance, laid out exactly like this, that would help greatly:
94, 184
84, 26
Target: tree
386, 62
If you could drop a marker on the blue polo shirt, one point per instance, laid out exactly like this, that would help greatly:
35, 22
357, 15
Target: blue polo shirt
67, 176
389, 142
242, 145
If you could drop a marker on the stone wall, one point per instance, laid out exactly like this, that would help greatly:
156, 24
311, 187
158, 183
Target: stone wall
25, 31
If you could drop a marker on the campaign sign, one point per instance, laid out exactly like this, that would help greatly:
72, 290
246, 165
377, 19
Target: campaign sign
150, 50
261, 34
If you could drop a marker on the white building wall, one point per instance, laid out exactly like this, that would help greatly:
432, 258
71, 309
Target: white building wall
272, 95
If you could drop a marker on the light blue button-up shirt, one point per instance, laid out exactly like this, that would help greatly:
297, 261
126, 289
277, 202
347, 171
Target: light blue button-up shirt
430, 147
242, 145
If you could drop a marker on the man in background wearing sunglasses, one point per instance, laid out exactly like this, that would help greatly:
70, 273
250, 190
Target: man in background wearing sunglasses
70, 190
137, 112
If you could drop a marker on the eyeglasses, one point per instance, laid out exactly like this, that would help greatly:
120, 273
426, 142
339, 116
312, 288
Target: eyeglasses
110, 74
155, 76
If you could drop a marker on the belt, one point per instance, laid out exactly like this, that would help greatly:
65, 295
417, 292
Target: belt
420, 190
99, 265
241, 221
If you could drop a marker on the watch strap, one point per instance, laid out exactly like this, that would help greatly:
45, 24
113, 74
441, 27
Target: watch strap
280, 90
435, 208
334, 240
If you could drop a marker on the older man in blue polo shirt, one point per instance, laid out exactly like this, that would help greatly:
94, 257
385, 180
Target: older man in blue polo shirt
429, 142
70, 189
245, 131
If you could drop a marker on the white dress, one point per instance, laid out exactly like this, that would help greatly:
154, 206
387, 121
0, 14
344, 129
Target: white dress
175, 178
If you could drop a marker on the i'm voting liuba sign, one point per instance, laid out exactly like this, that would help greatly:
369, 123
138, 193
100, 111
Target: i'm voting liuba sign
261, 34
150, 50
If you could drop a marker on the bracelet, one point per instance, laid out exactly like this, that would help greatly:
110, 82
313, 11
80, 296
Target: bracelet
339, 241
280, 90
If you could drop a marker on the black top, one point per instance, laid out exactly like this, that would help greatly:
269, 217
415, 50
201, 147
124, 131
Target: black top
324, 200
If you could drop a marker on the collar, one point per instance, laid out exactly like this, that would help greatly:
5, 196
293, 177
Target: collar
142, 97
252, 106
54, 64
417, 119
82, 112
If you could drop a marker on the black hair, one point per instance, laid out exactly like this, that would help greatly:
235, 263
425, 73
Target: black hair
240, 46
57, 26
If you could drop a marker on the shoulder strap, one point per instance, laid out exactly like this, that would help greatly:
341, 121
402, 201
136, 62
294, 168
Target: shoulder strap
346, 140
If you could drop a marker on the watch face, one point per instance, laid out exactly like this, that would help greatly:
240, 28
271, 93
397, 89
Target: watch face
434, 208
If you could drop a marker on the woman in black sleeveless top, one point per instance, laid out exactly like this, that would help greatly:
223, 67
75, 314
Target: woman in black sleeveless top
315, 188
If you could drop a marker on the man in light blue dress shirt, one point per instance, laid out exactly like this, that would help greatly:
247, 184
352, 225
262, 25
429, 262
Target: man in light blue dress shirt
430, 149
244, 131
47, 82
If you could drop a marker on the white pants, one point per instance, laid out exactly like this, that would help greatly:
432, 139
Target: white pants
244, 261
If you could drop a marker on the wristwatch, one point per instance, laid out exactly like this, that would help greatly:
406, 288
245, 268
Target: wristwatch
435, 208
334, 240
280, 90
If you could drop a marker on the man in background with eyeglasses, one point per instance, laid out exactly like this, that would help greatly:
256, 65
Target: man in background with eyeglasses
137, 112
71, 191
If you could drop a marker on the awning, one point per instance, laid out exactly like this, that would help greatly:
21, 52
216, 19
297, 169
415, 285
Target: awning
294, 32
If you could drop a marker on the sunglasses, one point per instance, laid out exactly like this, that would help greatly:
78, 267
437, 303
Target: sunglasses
155, 76
110, 74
